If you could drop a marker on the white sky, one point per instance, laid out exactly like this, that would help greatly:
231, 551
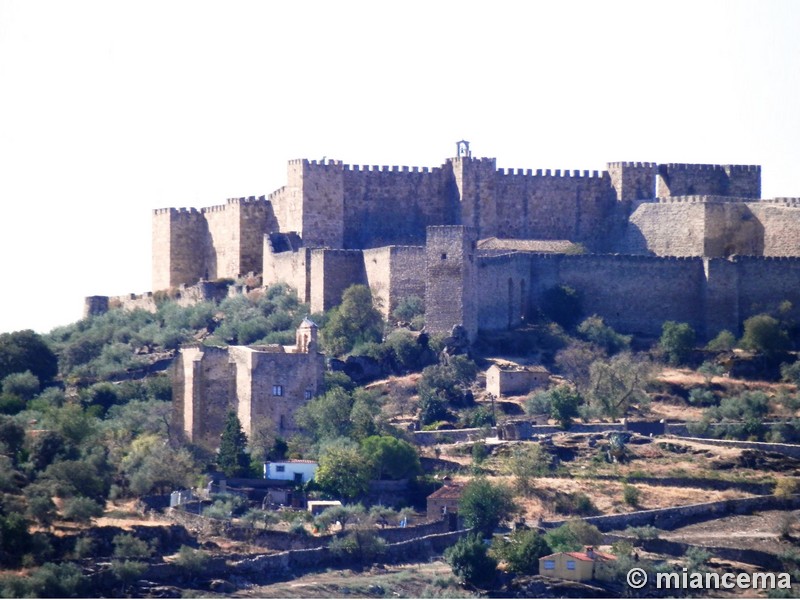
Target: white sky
110, 109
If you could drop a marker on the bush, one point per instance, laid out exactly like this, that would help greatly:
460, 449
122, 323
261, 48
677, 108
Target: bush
725, 341
596, 331
521, 551
631, 494
192, 562
129, 546
677, 340
573, 535
81, 509
763, 333
360, 545
470, 560
563, 305
785, 487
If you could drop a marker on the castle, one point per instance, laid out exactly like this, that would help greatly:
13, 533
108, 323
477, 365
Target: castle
642, 242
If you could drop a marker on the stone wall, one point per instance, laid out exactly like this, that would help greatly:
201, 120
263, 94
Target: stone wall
450, 280
264, 385
332, 272
503, 291
670, 518
393, 205
720, 180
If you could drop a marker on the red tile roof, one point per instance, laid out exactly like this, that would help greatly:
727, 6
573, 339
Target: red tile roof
448, 491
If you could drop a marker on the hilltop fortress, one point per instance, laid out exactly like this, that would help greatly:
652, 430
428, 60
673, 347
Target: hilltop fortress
642, 242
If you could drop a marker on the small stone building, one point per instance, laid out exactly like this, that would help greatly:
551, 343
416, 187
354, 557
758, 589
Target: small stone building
575, 566
264, 385
444, 501
515, 380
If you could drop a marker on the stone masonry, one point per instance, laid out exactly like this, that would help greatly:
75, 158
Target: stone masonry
682, 242
264, 385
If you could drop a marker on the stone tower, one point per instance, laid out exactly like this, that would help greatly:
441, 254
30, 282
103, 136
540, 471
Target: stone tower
450, 292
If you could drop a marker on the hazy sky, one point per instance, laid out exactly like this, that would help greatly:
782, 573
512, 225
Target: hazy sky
110, 109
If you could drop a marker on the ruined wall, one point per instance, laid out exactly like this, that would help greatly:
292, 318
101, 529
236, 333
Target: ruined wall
450, 280
393, 205
717, 180
332, 272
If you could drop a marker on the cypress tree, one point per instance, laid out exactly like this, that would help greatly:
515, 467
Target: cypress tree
232, 459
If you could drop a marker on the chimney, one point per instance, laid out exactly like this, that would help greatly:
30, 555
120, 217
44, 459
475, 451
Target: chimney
590, 552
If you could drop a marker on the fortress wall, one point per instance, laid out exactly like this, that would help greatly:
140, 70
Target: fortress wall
377, 267
286, 202
179, 247
665, 229
393, 205
766, 282
633, 180
407, 274
538, 205
255, 219
222, 260
780, 228
394, 273
732, 228
474, 182
723, 180
332, 272
503, 292
634, 294
292, 268
322, 188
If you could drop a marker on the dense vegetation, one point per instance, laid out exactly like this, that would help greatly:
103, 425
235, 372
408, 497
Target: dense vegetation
85, 417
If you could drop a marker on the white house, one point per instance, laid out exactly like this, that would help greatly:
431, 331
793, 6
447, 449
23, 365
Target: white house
296, 471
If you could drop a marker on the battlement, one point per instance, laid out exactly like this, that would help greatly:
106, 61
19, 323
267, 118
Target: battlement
316, 163
176, 211
634, 165
392, 169
788, 202
558, 173
699, 167
702, 199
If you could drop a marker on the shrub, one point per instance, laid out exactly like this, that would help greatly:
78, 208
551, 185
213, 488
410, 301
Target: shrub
677, 340
724, 341
563, 305
631, 494
81, 509
192, 562
785, 487
129, 546
470, 560
521, 551
596, 331
763, 333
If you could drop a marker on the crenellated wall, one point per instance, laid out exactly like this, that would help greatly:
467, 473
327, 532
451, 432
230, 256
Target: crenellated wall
720, 180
